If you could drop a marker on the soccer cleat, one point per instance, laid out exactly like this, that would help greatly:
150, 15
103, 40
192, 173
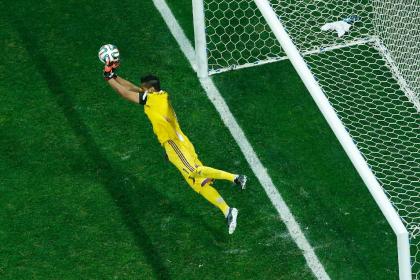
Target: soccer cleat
231, 219
240, 180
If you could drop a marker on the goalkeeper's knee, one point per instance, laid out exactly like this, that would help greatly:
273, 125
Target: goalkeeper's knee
197, 172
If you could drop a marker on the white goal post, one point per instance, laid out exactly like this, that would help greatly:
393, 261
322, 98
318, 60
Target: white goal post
217, 49
200, 38
342, 135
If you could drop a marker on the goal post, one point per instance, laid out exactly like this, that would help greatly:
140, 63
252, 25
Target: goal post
366, 82
200, 38
342, 135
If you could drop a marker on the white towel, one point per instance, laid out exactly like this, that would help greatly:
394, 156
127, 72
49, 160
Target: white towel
341, 27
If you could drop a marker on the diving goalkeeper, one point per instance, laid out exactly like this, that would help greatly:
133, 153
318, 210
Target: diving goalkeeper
178, 147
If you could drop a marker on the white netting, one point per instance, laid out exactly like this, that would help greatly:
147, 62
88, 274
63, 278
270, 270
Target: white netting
397, 24
370, 76
237, 36
382, 121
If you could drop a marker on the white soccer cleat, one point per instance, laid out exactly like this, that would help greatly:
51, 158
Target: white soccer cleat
231, 219
240, 181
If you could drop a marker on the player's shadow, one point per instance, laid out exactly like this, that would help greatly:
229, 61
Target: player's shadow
110, 176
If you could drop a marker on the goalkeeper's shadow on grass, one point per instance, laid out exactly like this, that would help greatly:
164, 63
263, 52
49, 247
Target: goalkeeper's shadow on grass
109, 175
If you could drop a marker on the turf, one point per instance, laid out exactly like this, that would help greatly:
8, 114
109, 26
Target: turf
87, 194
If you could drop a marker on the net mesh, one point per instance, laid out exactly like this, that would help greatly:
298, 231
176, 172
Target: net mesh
238, 36
370, 76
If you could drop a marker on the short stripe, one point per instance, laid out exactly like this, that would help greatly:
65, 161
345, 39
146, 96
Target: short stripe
180, 155
205, 181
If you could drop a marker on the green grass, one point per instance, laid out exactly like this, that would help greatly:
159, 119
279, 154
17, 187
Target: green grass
87, 194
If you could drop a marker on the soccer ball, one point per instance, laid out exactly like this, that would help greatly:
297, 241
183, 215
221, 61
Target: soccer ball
108, 53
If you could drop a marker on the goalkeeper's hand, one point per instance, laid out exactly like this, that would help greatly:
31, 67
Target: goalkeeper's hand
110, 70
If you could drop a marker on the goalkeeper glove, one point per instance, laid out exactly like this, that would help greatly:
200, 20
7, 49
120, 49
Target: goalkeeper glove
110, 69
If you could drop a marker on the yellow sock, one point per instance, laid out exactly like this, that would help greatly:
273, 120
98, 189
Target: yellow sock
213, 173
210, 193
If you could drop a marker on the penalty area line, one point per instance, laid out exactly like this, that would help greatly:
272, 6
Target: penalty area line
257, 167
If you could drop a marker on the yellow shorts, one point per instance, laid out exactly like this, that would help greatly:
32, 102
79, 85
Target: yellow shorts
182, 154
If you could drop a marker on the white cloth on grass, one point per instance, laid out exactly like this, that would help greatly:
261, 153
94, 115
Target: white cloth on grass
341, 27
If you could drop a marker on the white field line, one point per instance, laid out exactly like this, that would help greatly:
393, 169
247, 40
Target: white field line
246, 148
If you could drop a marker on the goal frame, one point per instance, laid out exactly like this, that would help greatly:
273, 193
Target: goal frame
346, 141
200, 38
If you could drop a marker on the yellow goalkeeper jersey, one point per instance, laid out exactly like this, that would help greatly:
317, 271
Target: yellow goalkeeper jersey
159, 110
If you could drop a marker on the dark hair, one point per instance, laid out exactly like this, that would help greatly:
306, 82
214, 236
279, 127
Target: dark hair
151, 81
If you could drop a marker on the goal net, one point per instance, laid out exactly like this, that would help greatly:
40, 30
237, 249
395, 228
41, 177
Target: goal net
370, 75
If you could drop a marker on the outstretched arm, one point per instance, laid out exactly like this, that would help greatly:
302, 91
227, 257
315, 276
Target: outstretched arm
125, 88
126, 92
127, 84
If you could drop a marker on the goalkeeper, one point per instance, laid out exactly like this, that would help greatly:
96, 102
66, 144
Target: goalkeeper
178, 147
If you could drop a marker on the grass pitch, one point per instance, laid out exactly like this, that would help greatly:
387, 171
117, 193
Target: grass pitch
87, 194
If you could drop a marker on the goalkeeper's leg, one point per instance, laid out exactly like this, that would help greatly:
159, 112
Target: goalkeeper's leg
200, 169
213, 196
209, 172
187, 164
186, 160
208, 192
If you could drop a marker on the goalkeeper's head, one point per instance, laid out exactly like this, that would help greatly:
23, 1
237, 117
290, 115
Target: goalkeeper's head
150, 83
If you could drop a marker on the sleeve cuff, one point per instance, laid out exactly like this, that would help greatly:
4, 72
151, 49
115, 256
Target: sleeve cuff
142, 98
